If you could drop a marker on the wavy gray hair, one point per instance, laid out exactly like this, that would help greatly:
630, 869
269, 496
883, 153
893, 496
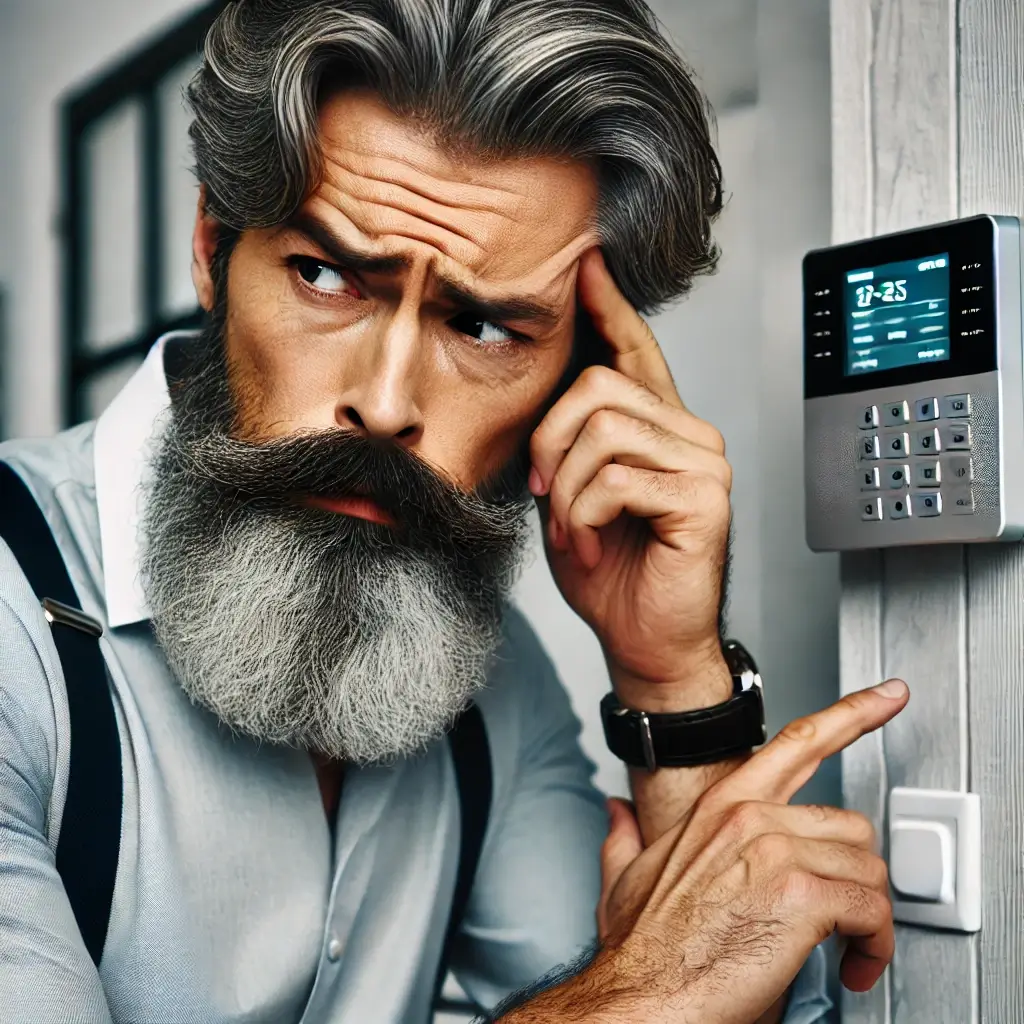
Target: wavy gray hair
592, 80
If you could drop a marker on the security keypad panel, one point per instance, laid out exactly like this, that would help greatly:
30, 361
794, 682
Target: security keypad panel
914, 399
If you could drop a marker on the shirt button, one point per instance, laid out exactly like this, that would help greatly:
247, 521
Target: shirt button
334, 950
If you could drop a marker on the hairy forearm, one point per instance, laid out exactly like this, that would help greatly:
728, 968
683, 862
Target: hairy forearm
665, 797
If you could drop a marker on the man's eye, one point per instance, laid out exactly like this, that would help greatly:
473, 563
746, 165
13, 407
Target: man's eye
482, 330
323, 276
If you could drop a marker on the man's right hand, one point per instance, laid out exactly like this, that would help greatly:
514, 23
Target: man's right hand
712, 922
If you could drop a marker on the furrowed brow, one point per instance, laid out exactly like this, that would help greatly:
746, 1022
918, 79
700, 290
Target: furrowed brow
497, 310
318, 232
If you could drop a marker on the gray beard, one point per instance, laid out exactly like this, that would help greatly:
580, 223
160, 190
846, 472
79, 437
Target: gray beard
301, 627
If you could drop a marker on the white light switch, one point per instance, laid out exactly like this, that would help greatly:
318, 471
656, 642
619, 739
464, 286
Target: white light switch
922, 860
935, 858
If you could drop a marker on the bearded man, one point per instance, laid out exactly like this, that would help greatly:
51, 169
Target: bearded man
424, 233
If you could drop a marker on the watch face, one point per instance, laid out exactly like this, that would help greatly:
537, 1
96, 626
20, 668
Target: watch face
741, 665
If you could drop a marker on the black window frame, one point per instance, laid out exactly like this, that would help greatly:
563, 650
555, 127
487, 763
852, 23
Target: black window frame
136, 78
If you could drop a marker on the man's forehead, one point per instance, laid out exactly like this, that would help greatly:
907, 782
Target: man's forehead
493, 225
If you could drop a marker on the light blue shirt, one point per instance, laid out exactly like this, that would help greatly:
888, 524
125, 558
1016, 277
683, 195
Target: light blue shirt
234, 900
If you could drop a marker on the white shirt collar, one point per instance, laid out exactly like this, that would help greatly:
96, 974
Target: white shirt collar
122, 449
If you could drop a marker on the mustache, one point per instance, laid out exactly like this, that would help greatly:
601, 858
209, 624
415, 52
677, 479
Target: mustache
276, 474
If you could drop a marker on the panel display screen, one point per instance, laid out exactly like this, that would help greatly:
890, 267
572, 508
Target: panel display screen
897, 314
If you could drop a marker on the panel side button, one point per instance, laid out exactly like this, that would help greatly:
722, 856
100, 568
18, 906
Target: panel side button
957, 437
896, 446
899, 508
961, 469
955, 407
871, 509
897, 477
869, 479
961, 501
895, 413
927, 442
927, 473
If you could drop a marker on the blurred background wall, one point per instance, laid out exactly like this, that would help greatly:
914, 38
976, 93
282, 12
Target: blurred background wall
734, 344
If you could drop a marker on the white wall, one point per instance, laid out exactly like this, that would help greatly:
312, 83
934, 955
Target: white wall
734, 345
48, 47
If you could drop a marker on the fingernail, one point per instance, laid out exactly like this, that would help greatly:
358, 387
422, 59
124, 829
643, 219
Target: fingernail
535, 483
894, 689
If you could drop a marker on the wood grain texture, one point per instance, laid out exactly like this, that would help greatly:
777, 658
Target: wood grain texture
924, 623
913, 113
904, 612
852, 160
991, 107
996, 661
933, 961
991, 34
864, 775
924, 642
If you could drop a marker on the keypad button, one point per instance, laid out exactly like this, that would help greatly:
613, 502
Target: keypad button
869, 447
869, 418
894, 414
898, 508
927, 442
961, 469
926, 409
869, 479
956, 437
897, 477
927, 504
956, 407
871, 509
960, 501
927, 473
896, 446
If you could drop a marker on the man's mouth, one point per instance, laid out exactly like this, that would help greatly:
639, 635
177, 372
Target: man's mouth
359, 508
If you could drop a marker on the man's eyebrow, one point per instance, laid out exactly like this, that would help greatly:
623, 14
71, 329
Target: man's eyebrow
338, 251
497, 310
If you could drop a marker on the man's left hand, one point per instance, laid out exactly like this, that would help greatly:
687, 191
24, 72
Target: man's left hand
637, 492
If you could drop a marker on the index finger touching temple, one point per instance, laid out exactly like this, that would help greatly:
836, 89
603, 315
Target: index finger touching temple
636, 351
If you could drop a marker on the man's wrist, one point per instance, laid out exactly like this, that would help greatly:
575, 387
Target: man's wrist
702, 681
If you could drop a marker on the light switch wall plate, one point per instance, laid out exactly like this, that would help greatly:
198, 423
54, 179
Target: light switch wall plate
935, 858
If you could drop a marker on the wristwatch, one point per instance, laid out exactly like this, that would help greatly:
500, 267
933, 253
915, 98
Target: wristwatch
682, 739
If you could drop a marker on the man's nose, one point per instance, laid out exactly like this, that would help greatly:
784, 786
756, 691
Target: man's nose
380, 395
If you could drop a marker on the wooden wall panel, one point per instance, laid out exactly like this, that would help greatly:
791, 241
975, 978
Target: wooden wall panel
924, 642
897, 156
865, 780
992, 181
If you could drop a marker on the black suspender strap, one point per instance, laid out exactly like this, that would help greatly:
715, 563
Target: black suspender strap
471, 757
90, 833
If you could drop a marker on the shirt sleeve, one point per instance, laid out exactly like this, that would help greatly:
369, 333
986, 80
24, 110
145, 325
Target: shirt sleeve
46, 973
808, 999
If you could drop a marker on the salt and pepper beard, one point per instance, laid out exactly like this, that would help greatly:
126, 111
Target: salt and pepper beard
298, 626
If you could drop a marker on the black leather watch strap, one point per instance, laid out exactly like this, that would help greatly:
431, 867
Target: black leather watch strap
687, 738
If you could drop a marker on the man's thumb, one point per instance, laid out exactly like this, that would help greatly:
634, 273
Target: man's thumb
623, 844
621, 847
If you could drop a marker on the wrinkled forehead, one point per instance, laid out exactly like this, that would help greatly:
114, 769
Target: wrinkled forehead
497, 225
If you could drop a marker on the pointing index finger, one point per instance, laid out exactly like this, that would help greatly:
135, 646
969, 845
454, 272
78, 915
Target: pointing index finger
637, 353
781, 767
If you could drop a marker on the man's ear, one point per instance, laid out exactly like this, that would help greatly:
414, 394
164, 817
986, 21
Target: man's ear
204, 245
